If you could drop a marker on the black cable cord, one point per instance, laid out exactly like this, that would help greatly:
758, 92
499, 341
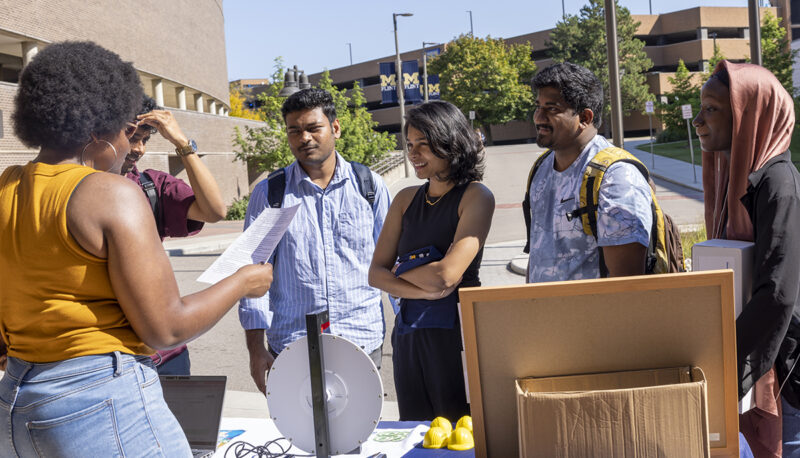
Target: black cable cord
270, 449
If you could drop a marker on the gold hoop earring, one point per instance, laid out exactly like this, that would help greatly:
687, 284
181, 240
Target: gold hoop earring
106, 142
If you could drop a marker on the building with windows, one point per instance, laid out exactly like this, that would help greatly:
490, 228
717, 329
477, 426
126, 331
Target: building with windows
178, 49
687, 34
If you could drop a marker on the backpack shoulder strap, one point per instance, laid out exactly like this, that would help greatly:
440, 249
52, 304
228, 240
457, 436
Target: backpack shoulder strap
366, 185
276, 187
526, 203
593, 178
589, 196
149, 189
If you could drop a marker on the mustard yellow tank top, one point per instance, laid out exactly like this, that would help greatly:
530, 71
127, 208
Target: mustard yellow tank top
56, 300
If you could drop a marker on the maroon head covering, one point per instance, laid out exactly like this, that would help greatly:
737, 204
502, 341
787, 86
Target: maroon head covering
763, 119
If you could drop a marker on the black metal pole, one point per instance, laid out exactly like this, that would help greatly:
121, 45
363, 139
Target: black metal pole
400, 85
613, 73
424, 72
755, 31
316, 363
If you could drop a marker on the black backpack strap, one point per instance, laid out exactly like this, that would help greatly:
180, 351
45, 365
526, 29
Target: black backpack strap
366, 185
526, 204
276, 187
149, 189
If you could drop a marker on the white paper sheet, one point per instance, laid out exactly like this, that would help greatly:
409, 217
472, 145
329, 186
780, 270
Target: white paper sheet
255, 245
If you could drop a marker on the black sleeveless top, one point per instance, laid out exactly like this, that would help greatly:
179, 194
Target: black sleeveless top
424, 225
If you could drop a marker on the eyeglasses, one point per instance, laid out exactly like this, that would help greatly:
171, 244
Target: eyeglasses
130, 129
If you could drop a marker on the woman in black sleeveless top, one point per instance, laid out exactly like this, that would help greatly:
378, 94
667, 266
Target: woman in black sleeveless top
449, 215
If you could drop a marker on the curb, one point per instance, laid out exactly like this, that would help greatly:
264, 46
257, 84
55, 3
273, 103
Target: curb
519, 264
694, 187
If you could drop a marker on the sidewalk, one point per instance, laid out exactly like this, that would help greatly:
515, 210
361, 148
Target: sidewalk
217, 237
665, 168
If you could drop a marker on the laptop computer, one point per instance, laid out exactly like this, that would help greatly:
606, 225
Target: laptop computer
196, 401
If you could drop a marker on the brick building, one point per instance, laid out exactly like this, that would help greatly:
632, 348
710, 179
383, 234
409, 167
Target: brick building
687, 34
178, 49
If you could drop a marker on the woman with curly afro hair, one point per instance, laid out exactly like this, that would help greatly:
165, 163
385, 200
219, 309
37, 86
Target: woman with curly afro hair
431, 244
88, 291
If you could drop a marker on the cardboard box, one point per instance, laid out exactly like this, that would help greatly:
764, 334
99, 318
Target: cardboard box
728, 254
661, 412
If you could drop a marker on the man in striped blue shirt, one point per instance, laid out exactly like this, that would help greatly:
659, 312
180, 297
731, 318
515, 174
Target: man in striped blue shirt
323, 259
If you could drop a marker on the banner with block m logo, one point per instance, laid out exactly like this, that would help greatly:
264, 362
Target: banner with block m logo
388, 83
411, 82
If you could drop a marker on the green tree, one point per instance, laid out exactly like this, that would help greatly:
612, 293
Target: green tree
712, 63
684, 91
581, 40
359, 141
487, 76
776, 54
266, 148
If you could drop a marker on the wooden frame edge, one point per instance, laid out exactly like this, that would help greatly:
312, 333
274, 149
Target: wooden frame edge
641, 283
473, 376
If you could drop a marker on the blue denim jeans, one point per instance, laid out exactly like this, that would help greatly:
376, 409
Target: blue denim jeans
791, 430
102, 405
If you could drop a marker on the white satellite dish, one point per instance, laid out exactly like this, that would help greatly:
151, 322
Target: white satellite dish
353, 394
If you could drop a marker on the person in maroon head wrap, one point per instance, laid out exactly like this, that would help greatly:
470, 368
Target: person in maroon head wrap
752, 193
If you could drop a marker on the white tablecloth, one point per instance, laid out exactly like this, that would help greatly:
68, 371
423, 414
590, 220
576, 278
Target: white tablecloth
258, 431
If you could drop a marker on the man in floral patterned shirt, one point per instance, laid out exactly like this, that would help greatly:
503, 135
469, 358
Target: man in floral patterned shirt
569, 106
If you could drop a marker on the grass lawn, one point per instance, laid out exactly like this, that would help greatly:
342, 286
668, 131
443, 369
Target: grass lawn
675, 150
689, 238
680, 150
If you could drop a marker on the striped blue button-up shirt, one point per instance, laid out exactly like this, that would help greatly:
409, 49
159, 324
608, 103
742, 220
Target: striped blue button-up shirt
322, 260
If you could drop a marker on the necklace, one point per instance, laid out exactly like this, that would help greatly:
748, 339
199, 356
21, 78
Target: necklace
428, 201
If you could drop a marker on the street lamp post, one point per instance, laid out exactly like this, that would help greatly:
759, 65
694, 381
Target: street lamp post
471, 32
400, 96
350, 46
755, 31
290, 82
613, 73
425, 67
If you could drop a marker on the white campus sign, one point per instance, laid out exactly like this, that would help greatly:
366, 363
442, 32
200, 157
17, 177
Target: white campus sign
687, 111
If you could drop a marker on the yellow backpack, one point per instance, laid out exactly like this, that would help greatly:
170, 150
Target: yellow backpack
664, 253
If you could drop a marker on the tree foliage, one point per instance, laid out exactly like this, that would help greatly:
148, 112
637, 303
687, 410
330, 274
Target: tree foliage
712, 63
684, 91
487, 76
581, 40
776, 54
359, 141
266, 148
238, 109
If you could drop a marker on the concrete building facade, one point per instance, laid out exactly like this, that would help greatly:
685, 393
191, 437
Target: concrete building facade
178, 49
687, 34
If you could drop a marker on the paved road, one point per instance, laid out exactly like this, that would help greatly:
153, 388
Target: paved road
222, 350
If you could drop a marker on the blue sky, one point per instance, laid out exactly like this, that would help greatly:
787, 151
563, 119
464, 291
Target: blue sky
314, 34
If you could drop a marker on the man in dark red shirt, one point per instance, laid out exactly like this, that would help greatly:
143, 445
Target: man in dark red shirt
181, 209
